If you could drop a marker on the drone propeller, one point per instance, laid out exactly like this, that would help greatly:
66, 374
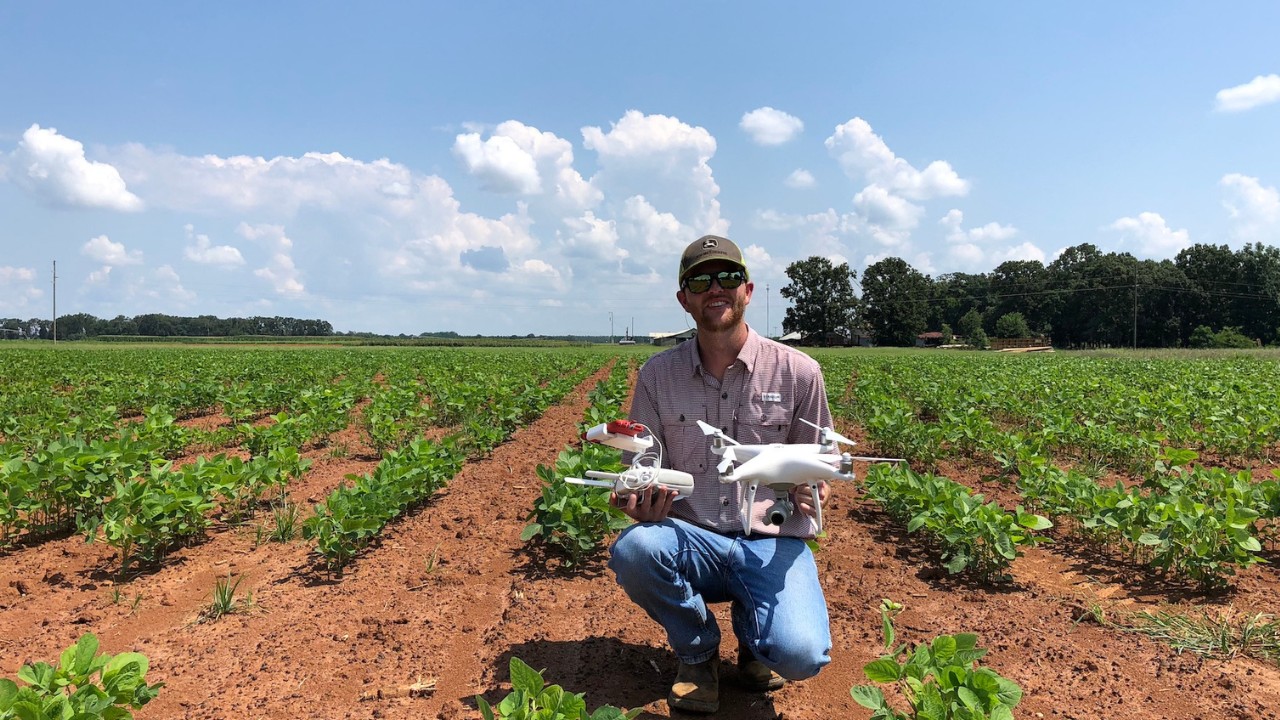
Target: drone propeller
829, 436
715, 432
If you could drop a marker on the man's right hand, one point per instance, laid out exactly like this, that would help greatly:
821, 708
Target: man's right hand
651, 505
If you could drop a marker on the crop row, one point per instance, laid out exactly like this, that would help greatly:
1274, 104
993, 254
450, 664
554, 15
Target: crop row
353, 515
973, 535
1195, 523
573, 521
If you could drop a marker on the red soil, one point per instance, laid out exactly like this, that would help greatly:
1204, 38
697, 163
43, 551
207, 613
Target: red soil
313, 645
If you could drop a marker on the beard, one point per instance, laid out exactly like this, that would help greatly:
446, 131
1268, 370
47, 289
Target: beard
717, 319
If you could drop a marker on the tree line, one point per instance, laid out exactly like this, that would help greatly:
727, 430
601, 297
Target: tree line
1207, 295
81, 326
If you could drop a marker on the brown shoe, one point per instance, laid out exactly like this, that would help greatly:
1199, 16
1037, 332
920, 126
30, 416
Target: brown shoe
755, 675
697, 687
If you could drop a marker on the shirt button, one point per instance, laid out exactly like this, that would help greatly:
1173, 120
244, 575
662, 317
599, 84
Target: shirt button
725, 502
724, 396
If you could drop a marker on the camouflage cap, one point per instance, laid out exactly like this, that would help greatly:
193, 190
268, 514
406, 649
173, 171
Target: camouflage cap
708, 248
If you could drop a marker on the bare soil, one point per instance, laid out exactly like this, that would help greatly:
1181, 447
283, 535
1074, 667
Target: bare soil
430, 617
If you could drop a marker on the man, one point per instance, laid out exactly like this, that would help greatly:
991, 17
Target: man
679, 556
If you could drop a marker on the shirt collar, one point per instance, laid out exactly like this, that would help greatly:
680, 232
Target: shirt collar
747, 355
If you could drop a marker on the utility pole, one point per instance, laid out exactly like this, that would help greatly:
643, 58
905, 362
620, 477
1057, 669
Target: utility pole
1135, 303
611, 327
55, 302
766, 310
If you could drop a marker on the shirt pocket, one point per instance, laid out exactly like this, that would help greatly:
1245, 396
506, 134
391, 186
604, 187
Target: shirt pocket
692, 448
764, 422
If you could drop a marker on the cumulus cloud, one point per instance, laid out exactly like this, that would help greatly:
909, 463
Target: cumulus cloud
800, 179
592, 238
1254, 208
767, 126
517, 158
889, 218
18, 290
989, 233
1152, 235
501, 164
55, 168
863, 155
203, 251
980, 248
102, 249
280, 185
1262, 90
663, 160
280, 270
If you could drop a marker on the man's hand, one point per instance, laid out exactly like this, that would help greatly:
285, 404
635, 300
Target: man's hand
651, 505
804, 497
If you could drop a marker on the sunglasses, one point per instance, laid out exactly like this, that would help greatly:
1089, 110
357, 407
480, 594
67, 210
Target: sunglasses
728, 279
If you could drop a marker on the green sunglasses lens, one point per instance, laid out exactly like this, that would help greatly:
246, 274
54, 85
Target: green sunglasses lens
730, 280
698, 284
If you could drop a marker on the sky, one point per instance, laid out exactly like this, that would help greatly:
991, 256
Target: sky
504, 168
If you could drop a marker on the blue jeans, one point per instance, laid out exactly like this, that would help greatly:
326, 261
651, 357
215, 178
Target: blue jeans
673, 568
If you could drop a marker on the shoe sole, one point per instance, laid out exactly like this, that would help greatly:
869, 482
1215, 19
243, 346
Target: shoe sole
692, 706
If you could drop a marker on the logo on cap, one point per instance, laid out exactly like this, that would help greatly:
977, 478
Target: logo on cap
709, 243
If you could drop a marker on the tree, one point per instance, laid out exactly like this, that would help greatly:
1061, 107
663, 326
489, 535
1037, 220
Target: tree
970, 325
823, 304
895, 301
1012, 325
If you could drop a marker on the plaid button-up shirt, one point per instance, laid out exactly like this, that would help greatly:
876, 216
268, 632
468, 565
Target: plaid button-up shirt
759, 400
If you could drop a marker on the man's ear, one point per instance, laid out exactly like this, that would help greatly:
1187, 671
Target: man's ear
680, 297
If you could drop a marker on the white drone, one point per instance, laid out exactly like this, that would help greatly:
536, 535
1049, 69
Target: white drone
781, 467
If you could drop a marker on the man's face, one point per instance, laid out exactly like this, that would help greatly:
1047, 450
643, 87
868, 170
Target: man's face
717, 308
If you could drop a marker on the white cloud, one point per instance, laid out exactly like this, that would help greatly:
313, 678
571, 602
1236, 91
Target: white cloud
991, 232
1253, 207
165, 286
593, 238
977, 249
864, 156
203, 250
55, 168
101, 276
18, 291
280, 185
501, 164
664, 160
102, 249
521, 159
1024, 251
767, 126
889, 219
1152, 235
800, 179
280, 271
1262, 90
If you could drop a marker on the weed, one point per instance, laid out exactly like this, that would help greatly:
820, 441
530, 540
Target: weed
286, 522
1257, 636
224, 599
432, 561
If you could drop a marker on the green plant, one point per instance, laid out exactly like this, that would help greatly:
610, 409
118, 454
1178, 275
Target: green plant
433, 560
48, 695
285, 526
224, 599
532, 698
941, 680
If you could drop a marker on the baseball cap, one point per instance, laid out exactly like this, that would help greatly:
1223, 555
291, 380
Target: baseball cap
708, 248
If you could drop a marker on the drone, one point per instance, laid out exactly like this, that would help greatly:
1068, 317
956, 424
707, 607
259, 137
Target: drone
781, 468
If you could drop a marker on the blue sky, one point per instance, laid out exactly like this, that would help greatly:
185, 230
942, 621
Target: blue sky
508, 167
